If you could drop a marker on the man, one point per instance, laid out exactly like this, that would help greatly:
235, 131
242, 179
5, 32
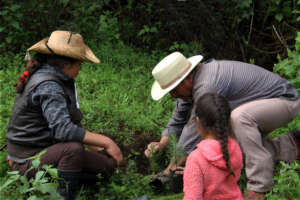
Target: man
261, 102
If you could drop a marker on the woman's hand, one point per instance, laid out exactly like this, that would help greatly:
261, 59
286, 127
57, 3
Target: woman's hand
115, 152
105, 142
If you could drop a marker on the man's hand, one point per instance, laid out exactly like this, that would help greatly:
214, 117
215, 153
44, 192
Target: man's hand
152, 148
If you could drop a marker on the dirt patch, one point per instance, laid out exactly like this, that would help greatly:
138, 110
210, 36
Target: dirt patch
135, 151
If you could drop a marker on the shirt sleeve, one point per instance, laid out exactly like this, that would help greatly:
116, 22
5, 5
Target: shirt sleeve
179, 118
193, 180
49, 95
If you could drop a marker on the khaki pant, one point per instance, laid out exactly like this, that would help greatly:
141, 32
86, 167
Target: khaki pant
252, 122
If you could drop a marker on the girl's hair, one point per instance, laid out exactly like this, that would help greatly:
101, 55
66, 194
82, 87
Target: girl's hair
39, 60
213, 111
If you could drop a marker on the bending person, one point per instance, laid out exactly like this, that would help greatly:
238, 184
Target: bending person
262, 101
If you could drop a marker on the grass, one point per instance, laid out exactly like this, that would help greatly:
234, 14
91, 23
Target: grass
115, 99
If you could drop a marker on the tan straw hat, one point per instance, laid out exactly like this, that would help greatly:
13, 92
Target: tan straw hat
169, 72
65, 43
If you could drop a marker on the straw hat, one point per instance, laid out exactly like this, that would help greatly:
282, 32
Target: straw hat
65, 43
169, 72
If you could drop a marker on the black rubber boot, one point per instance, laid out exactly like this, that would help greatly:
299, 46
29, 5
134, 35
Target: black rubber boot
296, 136
68, 183
176, 182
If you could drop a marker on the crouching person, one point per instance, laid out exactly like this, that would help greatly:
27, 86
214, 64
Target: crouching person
46, 116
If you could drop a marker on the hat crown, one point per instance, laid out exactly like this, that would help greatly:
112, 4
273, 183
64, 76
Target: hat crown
170, 69
65, 43
69, 38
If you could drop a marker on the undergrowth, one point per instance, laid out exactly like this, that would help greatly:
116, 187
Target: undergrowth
115, 99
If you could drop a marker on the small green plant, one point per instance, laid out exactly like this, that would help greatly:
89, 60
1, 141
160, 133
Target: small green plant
158, 160
41, 186
125, 185
176, 151
286, 182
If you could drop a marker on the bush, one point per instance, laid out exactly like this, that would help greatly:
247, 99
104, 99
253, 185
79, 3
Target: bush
290, 66
286, 182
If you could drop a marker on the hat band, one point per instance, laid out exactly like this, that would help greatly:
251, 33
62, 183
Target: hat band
177, 78
49, 47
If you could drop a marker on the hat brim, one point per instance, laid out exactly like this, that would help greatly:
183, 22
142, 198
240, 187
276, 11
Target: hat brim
157, 92
40, 47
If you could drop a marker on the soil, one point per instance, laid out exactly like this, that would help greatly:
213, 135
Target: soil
136, 151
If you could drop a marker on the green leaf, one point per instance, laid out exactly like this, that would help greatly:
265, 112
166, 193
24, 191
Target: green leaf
11, 180
33, 198
8, 39
278, 17
47, 188
51, 171
64, 2
39, 175
36, 163
16, 25
15, 7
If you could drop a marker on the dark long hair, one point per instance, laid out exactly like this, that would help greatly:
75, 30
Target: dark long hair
213, 111
36, 62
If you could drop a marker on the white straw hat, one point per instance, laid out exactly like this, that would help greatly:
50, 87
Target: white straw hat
65, 43
169, 72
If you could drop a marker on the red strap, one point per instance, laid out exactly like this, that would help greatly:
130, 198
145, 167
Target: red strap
23, 76
26, 73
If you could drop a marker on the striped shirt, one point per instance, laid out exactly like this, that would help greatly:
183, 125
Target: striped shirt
239, 82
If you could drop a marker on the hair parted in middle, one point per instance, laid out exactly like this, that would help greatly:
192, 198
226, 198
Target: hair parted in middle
213, 111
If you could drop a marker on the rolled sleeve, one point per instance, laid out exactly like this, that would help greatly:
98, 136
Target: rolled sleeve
50, 96
179, 118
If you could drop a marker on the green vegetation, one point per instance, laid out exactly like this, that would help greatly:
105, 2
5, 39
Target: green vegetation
130, 37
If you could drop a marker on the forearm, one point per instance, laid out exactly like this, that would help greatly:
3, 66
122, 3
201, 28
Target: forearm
180, 117
97, 140
164, 141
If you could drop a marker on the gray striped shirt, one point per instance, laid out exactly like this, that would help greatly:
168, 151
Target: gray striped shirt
239, 82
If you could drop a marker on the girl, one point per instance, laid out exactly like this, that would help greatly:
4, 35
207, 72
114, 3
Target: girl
213, 169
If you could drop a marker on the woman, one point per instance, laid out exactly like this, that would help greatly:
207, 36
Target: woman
46, 116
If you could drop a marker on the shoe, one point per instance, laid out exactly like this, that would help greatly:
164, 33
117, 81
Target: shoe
176, 182
68, 183
159, 181
251, 195
296, 135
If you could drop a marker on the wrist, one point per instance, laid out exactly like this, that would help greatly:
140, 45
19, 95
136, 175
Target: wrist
163, 141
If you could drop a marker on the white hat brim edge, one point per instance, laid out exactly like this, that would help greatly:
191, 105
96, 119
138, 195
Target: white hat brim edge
157, 92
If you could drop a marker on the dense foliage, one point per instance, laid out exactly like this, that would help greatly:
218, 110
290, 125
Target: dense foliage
130, 37
242, 30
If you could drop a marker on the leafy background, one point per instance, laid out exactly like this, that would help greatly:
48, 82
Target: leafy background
130, 37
